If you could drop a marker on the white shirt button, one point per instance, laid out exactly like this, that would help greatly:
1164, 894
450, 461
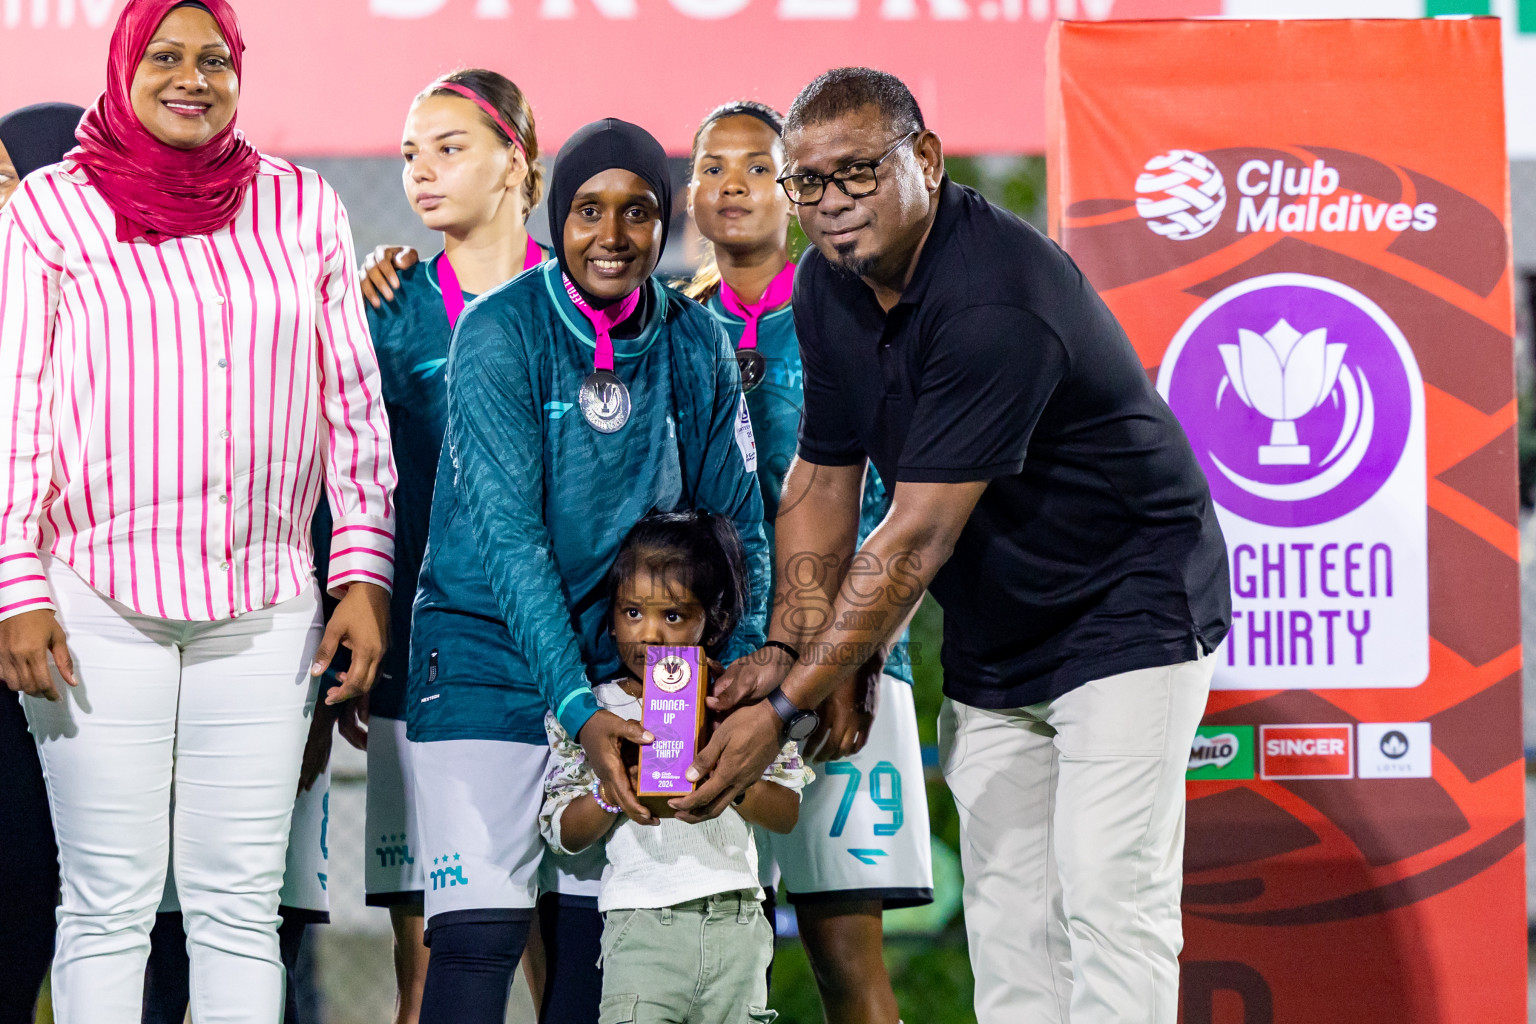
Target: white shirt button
224, 434
223, 364
224, 566
223, 499
218, 300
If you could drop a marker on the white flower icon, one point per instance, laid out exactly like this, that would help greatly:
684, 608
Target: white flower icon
1283, 375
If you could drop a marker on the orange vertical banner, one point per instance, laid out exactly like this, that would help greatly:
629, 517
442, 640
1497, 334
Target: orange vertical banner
1304, 228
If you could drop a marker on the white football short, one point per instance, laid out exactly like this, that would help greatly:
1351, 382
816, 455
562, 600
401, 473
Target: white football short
863, 829
577, 877
305, 880
477, 807
392, 871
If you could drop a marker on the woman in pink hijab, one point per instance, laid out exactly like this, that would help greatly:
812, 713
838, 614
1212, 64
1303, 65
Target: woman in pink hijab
186, 366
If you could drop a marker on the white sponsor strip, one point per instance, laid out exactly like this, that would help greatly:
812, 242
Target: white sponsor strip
1394, 750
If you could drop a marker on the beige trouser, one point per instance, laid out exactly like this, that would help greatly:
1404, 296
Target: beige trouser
1072, 842
701, 962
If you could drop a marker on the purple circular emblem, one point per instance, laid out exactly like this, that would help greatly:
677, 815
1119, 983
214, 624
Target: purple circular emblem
1293, 392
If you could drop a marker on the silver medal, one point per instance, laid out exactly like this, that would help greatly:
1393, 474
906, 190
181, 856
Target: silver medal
752, 364
604, 401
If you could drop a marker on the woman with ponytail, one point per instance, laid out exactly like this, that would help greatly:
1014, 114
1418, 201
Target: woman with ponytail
471, 171
746, 283
412, 336
191, 368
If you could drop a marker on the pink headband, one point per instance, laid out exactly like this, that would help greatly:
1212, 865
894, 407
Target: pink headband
490, 111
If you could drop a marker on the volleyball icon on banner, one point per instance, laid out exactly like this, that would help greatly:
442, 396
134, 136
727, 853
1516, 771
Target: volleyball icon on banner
1180, 194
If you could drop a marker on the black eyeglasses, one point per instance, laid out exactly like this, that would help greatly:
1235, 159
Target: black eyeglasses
857, 180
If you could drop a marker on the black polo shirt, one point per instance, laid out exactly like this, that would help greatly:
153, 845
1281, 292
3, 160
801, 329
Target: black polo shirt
1095, 548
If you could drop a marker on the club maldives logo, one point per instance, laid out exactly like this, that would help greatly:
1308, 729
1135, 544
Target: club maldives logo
1180, 194
1293, 392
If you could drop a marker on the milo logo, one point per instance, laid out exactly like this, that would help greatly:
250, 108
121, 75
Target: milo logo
1216, 752
1222, 752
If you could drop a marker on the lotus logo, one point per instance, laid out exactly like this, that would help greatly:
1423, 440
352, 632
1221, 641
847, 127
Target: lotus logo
1282, 375
1295, 394
672, 673
1394, 744
609, 399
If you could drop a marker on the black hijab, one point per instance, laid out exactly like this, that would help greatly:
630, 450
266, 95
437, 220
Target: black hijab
39, 135
603, 146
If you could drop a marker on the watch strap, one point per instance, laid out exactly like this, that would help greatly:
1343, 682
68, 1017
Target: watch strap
785, 708
793, 716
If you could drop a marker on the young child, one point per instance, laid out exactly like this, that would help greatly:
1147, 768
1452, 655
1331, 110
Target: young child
684, 936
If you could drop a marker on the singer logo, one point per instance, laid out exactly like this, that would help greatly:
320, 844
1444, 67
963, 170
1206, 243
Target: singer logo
58, 13
1306, 752
785, 10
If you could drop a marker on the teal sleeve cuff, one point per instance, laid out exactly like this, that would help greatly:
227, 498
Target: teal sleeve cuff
575, 709
739, 647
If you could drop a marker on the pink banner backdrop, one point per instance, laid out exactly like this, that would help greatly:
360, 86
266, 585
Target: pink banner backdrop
334, 77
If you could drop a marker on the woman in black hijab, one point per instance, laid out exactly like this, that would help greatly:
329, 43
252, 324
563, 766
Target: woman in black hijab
30, 138
582, 395
34, 137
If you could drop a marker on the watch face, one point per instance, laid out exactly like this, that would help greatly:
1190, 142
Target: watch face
803, 724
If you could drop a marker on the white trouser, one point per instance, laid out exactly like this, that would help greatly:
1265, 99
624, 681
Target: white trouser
1072, 842
306, 871
220, 710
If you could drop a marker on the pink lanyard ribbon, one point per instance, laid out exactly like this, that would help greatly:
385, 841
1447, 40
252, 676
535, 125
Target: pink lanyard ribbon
603, 321
778, 292
453, 295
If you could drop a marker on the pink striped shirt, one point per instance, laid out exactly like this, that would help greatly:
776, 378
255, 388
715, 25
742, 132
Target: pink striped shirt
171, 413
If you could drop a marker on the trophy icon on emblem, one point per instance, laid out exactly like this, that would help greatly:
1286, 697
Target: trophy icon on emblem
607, 399
1282, 375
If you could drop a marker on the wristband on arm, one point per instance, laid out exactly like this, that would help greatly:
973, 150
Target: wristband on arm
794, 655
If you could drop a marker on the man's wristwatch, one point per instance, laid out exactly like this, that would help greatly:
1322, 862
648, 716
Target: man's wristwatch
798, 723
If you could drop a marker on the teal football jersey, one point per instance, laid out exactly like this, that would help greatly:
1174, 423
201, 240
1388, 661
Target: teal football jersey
775, 407
532, 503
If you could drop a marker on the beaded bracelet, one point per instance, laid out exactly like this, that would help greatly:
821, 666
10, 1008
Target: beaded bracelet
596, 790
